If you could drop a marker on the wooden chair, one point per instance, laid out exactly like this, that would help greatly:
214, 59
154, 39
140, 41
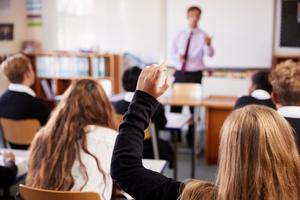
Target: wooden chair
20, 132
29, 193
149, 133
187, 90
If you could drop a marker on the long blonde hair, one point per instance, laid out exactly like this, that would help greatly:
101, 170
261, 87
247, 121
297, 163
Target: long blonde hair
258, 158
59, 143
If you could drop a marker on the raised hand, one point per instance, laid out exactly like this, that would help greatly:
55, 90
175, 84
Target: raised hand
149, 80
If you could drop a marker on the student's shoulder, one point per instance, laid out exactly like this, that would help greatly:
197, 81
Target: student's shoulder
101, 133
243, 101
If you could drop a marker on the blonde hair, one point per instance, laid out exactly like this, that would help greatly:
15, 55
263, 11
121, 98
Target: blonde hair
285, 79
258, 158
15, 67
196, 190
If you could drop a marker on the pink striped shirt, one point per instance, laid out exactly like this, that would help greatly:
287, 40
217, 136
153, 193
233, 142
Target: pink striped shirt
197, 49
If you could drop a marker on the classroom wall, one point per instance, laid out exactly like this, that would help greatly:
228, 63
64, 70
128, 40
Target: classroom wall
104, 25
16, 15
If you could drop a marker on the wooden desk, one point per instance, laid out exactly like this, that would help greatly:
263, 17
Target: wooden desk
217, 110
191, 102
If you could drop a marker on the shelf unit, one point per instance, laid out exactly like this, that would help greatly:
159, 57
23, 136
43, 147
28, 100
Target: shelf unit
60, 67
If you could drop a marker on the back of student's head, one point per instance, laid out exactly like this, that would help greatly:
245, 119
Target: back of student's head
15, 67
197, 189
260, 80
258, 158
59, 143
130, 78
285, 79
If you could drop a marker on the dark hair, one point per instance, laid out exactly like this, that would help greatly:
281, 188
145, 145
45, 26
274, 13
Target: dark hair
130, 78
261, 80
192, 8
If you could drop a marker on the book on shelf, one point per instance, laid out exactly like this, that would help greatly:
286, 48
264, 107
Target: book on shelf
100, 67
48, 88
62, 66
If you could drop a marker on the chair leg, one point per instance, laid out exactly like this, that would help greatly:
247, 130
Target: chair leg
175, 153
154, 141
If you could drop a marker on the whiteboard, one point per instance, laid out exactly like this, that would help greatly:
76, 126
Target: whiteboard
242, 30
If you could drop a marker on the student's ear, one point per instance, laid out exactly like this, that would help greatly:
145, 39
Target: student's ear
276, 100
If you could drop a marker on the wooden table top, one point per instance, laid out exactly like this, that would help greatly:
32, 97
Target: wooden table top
222, 102
181, 101
211, 101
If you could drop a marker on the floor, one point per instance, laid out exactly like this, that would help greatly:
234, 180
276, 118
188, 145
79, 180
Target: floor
203, 171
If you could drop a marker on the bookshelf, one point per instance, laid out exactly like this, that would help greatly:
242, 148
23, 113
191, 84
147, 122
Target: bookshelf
55, 71
281, 58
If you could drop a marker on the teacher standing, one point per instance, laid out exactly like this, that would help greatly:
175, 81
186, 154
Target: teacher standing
188, 49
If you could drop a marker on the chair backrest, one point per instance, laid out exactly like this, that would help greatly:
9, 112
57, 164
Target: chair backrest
183, 90
19, 132
119, 120
29, 193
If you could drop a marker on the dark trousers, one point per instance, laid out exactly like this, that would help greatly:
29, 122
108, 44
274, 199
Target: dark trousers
187, 77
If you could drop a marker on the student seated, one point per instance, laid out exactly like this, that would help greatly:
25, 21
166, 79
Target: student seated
258, 156
8, 172
259, 91
73, 151
129, 81
20, 101
285, 79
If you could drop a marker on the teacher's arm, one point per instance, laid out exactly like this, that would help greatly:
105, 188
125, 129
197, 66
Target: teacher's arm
127, 169
209, 50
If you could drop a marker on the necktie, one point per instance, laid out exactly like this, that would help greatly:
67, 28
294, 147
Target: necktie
186, 53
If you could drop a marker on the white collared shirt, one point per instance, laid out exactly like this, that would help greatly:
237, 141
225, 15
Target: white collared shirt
21, 88
289, 111
128, 96
260, 94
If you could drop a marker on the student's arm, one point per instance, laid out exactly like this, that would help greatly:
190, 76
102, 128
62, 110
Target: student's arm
126, 168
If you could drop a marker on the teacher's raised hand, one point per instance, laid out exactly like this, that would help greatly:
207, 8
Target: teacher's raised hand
150, 80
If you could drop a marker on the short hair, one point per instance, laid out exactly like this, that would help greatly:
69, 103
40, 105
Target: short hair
285, 80
194, 8
130, 78
261, 80
14, 67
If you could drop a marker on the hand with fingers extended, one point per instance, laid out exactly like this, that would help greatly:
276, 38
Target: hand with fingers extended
150, 78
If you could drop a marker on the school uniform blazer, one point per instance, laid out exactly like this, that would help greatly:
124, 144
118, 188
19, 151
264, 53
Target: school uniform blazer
127, 169
21, 105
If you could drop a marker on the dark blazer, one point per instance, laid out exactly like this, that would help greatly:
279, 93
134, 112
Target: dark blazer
249, 100
295, 124
127, 169
8, 175
19, 105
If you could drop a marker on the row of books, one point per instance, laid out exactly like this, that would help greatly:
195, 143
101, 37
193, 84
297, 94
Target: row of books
50, 66
101, 67
71, 66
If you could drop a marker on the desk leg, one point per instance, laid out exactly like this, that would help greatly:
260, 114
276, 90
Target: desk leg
195, 122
